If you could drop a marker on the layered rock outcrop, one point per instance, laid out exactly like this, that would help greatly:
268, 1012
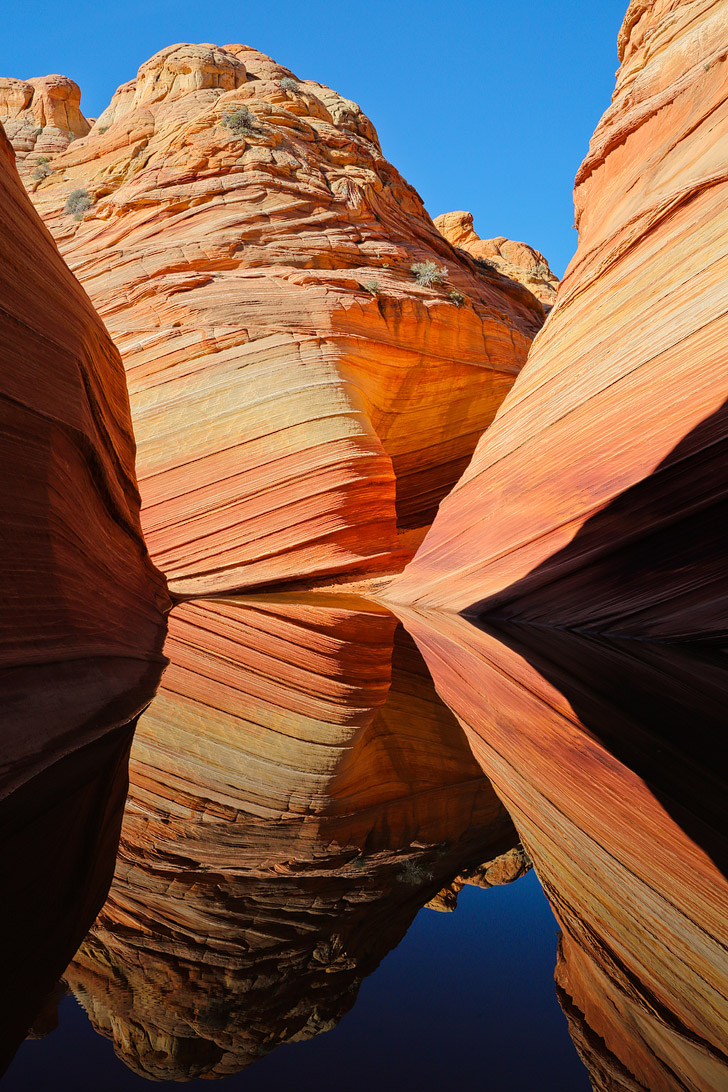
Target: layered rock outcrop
76, 578
310, 363
298, 792
518, 261
41, 117
623, 814
597, 498
82, 619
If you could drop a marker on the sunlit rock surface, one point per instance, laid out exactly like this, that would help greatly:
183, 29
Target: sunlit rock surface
298, 792
597, 499
41, 117
608, 756
518, 261
505, 868
298, 396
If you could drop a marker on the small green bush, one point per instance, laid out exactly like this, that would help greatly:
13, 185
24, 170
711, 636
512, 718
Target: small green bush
42, 170
79, 201
241, 121
103, 128
371, 286
457, 297
429, 274
289, 84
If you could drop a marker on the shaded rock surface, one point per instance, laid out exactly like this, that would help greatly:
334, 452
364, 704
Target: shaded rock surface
298, 792
82, 618
623, 815
597, 498
60, 831
518, 261
68, 490
298, 396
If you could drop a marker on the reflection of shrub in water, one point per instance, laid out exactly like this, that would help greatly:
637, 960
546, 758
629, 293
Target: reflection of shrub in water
414, 872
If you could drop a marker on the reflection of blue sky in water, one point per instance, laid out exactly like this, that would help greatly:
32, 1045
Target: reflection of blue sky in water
466, 1000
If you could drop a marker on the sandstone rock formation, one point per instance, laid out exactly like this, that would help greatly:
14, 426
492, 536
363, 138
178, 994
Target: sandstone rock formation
298, 791
77, 582
76, 577
82, 607
518, 261
623, 814
505, 868
41, 117
298, 392
597, 499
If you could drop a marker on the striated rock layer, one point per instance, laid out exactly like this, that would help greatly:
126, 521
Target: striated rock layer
623, 815
78, 590
598, 496
81, 624
298, 792
298, 395
518, 261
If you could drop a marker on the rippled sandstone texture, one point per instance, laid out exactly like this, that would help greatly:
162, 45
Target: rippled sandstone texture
518, 261
81, 624
298, 792
623, 814
597, 499
297, 395
77, 583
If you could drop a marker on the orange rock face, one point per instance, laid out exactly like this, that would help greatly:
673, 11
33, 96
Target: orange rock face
298, 792
76, 578
41, 117
299, 393
623, 815
597, 498
518, 261
82, 607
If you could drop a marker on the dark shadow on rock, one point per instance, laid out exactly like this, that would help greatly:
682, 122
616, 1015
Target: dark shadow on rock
660, 709
652, 564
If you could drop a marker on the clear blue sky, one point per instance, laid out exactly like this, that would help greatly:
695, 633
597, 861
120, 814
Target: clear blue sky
486, 105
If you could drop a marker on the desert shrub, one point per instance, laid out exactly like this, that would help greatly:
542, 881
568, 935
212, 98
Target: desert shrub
103, 128
240, 121
542, 269
371, 286
484, 263
42, 170
79, 201
289, 84
457, 297
429, 274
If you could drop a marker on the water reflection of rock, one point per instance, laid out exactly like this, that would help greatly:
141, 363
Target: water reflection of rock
607, 755
298, 792
67, 731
